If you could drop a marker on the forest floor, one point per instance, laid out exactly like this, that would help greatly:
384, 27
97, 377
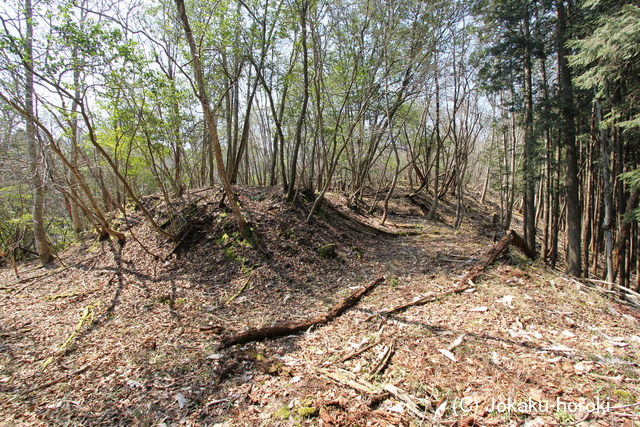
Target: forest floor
130, 335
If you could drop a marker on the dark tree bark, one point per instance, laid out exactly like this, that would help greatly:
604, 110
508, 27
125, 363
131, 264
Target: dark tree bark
572, 181
624, 230
529, 141
607, 196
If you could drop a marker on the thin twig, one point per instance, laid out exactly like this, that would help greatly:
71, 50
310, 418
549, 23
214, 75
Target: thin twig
359, 352
384, 360
241, 290
57, 380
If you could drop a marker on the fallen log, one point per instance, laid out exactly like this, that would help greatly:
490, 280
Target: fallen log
354, 223
511, 238
362, 227
467, 281
256, 334
418, 203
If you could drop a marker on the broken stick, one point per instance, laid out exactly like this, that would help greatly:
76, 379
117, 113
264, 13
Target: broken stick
418, 407
359, 351
292, 328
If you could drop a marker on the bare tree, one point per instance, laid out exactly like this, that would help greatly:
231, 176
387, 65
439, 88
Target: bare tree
210, 119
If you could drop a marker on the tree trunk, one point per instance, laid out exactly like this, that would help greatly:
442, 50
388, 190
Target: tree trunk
624, 230
210, 118
607, 195
76, 220
587, 222
244, 138
39, 235
293, 168
529, 142
546, 215
572, 181
436, 180
555, 208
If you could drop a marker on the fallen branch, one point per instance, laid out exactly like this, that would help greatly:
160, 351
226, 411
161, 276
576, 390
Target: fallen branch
87, 316
293, 328
351, 380
430, 297
384, 360
360, 351
456, 342
362, 227
622, 294
60, 296
57, 380
467, 281
58, 270
408, 400
241, 290
511, 238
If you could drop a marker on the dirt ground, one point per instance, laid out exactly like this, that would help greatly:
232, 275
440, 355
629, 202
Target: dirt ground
130, 335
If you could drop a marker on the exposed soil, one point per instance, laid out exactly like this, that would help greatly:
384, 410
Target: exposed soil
130, 335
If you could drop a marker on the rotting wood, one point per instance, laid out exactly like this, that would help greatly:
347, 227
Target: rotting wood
466, 282
520, 244
256, 334
358, 225
87, 316
60, 296
511, 238
423, 208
